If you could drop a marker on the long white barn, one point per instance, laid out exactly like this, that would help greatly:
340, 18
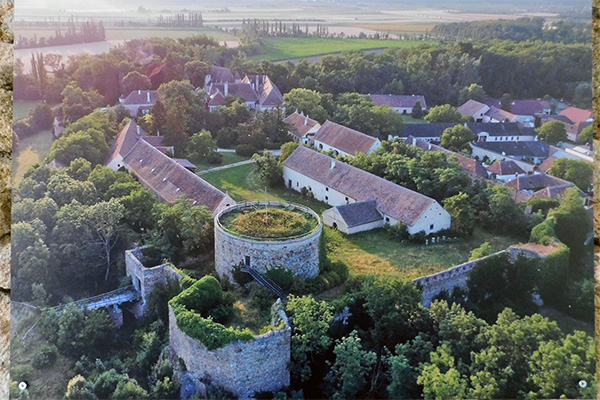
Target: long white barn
338, 184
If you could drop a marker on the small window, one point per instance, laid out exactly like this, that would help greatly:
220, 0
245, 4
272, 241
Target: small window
297, 184
327, 189
326, 197
346, 198
431, 227
247, 261
320, 146
387, 219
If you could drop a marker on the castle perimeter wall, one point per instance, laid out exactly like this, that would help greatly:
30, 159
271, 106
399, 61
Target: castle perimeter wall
299, 255
458, 276
243, 368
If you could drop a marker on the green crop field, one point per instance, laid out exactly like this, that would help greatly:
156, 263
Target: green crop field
276, 49
366, 252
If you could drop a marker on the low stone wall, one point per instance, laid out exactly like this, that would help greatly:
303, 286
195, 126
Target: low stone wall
458, 276
145, 279
300, 255
243, 368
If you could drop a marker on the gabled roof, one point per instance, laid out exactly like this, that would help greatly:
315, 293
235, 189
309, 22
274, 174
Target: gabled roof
505, 168
501, 129
499, 114
270, 96
221, 74
425, 130
301, 124
561, 118
547, 164
473, 167
168, 179
55, 164
398, 100
577, 114
537, 182
517, 148
344, 139
127, 139
359, 213
148, 97
216, 99
472, 108
184, 162
394, 200
236, 89
523, 107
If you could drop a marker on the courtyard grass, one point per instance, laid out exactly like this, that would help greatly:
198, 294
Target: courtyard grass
366, 252
284, 48
29, 151
410, 120
21, 108
228, 158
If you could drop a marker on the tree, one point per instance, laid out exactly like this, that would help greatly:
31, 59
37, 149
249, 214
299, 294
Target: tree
269, 168
552, 132
77, 103
457, 138
78, 389
573, 224
472, 92
587, 134
583, 95
135, 81
443, 113
558, 367
505, 214
417, 112
307, 101
352, 367
201, 145
484, 250
386, 121
196, 71
129, 390
287, 149
440, 379
312, 320
580, 173
463, 214
41, 117
506, 102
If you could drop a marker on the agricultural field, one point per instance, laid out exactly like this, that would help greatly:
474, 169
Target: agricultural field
399, 28
276, 49
366, 252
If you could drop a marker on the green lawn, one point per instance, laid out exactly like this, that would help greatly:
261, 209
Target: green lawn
30, 150
228, 158
366, 252
410, 120
21, 108
286, 48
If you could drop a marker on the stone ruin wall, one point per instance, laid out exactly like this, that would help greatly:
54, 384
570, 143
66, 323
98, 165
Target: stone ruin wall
459, 275
145, 280
241, 367
301, 255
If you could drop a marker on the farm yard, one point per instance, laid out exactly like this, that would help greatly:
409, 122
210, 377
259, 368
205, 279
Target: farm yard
372, 252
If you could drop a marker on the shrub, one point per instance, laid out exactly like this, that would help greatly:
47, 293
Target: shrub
41, 117
282, 277
245, 150
544, 233
418, 237
215, 158
398, 231
21, 373
23, 129
241, 278
44, 357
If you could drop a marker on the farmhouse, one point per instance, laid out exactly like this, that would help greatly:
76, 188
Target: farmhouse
343, 140
501, 132
401, 103
167, 178
473, 167
525, 111
354, 217
302, 128
539, 185
427, 132
522, 153
573, 128
337, 184
140, 102
577, 114
505, 170
481, 112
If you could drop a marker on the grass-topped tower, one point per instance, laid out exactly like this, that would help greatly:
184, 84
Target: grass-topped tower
268, 235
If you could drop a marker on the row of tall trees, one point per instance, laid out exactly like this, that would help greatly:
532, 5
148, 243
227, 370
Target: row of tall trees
70, 33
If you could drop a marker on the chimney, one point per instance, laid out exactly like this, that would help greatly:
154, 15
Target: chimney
414, 141
139, 92
429, 147
306, 120
332, 164
148, 97
138, 130
226, 88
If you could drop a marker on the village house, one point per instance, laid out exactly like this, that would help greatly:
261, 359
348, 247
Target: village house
576, 115
573, 128
525, 111
481, 112
139, 102
302, 128
426, 132
166, 177
505, 171
523, 153
539, 185
473, 167
258, 91
404, 104
343, 140
579, 153
501, 132
339, 184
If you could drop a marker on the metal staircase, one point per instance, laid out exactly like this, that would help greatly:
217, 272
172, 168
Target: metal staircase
264, 281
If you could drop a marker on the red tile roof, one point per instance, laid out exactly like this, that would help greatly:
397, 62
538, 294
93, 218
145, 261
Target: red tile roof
394, 200
398, 100
505, 168
128, 137
577, 114
348, 140
300, 124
